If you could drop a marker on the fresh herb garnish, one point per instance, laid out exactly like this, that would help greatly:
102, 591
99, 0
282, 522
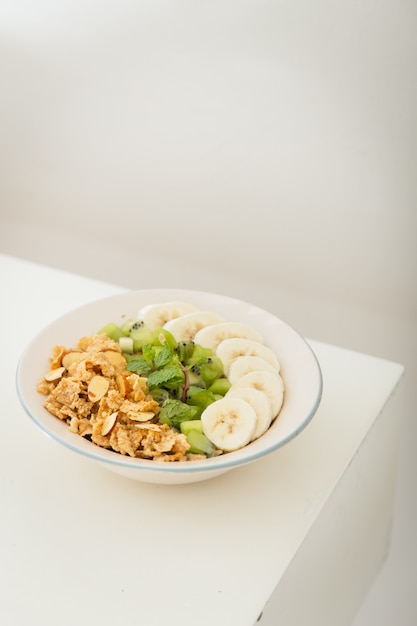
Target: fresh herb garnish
172, 375
178, 374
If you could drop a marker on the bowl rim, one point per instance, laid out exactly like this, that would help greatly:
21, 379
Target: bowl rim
222, 462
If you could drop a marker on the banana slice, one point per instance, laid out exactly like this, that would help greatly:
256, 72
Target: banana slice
231, 349
245, 364
186, 326
260, 403
229, 423
156, 315
212, 335
269, 383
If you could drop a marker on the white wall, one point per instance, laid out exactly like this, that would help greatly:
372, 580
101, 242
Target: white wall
270, 139
262, 148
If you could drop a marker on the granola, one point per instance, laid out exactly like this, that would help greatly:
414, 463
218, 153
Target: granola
89, 388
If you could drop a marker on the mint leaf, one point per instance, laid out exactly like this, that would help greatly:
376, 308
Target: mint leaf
148, 352
172, 375
174, 412
139, 365
163, 357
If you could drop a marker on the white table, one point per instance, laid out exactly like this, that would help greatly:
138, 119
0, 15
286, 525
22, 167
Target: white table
299, 535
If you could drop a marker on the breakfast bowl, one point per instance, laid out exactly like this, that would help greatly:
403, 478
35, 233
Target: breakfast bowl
298, 369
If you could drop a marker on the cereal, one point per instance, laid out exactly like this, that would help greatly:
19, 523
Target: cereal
89, 388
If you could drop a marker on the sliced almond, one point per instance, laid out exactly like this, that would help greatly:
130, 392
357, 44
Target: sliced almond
122, 385
72, 357
109, 423
54, 374
97, 388
115, 358
140, 416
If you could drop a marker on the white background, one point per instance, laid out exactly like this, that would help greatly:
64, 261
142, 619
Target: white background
261, 149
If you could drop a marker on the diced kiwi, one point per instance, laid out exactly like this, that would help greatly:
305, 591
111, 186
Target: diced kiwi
126, 326
112, 330
198, 354
141, 336
162, 337
200, 444
161, 395
195, 379
185, 350
220, 386
126, 344
199, 397
190, 425
211, 369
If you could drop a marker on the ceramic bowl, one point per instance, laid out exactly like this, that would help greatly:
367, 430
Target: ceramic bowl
300, 371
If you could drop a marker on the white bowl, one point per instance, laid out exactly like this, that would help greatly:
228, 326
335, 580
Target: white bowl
299, 369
